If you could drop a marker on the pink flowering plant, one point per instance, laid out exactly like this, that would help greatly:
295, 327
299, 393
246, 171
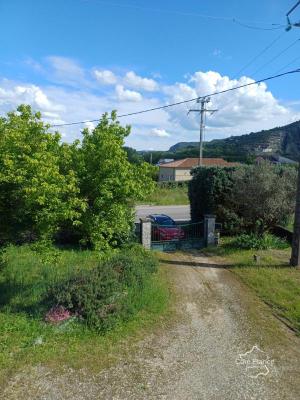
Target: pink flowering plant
57, 314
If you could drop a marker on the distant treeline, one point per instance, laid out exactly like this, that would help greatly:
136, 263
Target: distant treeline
192, 152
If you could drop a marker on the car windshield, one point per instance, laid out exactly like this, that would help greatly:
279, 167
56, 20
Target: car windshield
165, 221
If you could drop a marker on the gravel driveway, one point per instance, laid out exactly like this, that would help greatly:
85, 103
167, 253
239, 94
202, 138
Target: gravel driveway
225, 345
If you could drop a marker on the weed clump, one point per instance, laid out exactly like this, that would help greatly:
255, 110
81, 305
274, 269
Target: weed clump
109, 292
255, 242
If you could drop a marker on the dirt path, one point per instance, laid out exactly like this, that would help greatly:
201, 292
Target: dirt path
198, 358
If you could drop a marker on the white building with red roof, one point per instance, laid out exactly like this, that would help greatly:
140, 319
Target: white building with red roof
180, 170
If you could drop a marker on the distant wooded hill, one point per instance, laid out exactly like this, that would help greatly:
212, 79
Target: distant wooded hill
283, 140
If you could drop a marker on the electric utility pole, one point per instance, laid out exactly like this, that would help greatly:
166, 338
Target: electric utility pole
289, 23
202, 112
295, 258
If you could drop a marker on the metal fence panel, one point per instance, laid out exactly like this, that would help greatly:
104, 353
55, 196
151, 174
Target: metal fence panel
179, 236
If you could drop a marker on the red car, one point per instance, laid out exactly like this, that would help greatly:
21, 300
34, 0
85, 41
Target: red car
165, 228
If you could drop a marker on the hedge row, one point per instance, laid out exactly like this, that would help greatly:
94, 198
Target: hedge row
248, 198
208, 189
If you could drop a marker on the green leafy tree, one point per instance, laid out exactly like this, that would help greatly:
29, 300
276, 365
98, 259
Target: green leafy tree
110, 183
263, 196
249, 198
133, 156
37, 193
207, 191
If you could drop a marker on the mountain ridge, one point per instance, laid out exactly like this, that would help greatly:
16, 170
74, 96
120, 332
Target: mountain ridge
284, 140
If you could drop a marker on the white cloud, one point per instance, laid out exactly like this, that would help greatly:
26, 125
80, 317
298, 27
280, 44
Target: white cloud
65, 65
30, 94
217, 53
240, 111
130, 79
60, 105
36, 66
127, 95
180, 92
105, 77
135, 81
159, 133
89, 125
39, 96
79, 98
66, 71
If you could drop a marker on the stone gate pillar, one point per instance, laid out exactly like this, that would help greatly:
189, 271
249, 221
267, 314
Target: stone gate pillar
146, 233
209, 229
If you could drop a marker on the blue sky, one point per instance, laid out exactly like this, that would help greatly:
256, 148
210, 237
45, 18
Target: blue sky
75, 59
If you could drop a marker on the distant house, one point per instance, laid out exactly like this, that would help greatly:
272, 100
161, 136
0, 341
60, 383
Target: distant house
180, 170
164, 161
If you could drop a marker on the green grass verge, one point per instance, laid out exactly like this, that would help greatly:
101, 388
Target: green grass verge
272, 279
290, 224
168, 196
26, 340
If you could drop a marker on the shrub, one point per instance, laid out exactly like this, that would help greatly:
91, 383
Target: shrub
172, 185
208, 190
108, 292
263, 196
27, 271
252, 198
95, 295
264, 242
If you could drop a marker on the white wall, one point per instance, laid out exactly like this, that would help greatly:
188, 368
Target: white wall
182, 175
166, 174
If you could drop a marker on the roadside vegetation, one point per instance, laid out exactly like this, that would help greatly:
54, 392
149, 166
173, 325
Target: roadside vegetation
168, 195
290, 224
245, 199
264, 267
81, 192
250, 202
98, 300
73, 284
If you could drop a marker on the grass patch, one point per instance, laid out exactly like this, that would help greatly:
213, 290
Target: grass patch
28, 271
272, 278
290, 224
25, 339
168, 196
278, 287
264, 242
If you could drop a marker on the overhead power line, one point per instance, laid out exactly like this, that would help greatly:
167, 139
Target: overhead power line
293, 8
277, 56
185, 101
193, 14
289, 23
259, 54
288, 64
258, 28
